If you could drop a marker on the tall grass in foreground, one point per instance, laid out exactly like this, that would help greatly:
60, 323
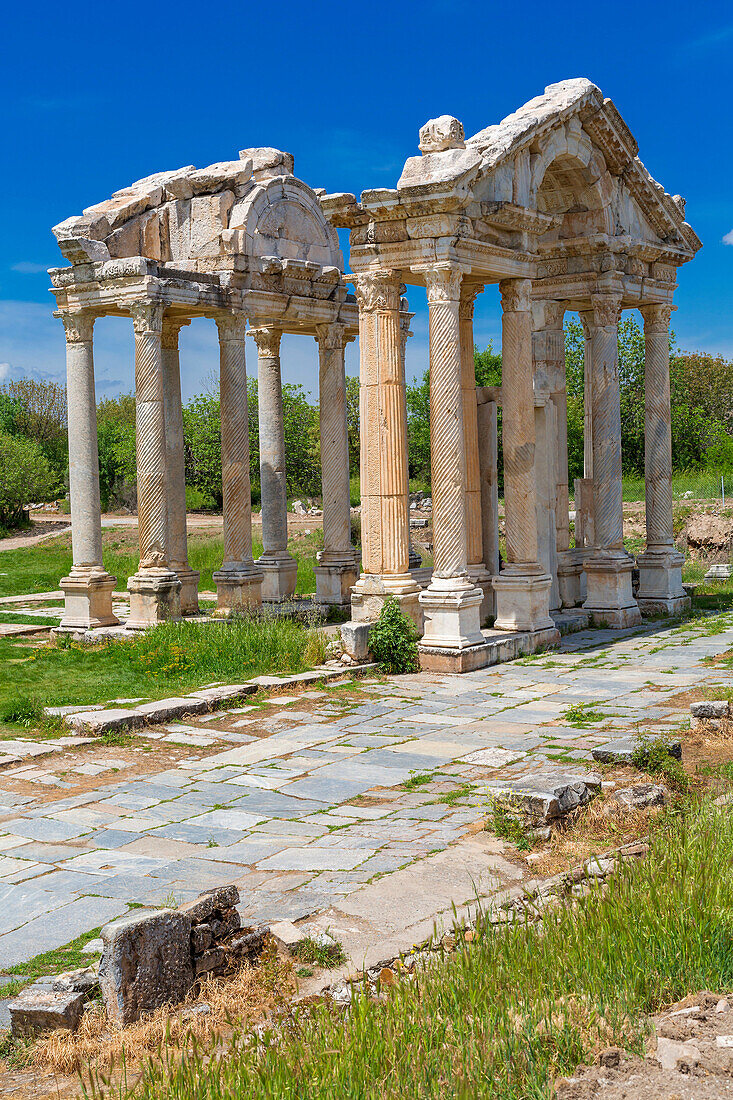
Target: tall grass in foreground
506, 1014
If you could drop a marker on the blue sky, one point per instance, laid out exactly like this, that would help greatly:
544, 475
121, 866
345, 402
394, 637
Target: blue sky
100, 95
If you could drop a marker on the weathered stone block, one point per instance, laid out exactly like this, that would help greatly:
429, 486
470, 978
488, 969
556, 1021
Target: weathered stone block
215, 959
204, 906
355, 637
641, 796
146, 963
710, 709
547, 796
230, 922
201, 939
286, 934
248, 943
36, 1011
83, 980
622, 751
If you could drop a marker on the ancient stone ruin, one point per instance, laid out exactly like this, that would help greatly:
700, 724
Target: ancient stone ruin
552, 204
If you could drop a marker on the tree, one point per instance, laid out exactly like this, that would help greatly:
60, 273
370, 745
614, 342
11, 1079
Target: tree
117, 457
202, 445
39, 413
26, 477
353, 422
417, 398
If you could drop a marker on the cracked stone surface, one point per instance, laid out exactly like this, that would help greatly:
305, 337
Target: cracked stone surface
364, 814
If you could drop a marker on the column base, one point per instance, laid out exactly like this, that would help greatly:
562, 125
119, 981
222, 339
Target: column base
523, 600
155, 597
451, 613
676, 606
372, 590
334, 581
189, 579
481, 578
279, 577
237, 590
610, 601
87, 600
570, 577
660, 575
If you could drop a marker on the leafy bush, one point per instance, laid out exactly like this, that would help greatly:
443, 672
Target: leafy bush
652, 755
507, 825
26, 476
393, 639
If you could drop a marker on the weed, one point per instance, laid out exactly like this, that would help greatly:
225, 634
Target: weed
652, 755
452, 797
325, 954
583, 714
507, 825
393, 640
417, 780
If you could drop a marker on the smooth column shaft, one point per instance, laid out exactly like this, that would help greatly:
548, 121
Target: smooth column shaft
272, 454
236, 489
86, 526
175, 459
334, 444
657, 430
607, 483
518, 429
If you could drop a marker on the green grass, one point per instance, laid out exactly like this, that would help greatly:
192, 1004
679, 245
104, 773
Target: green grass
505, 1015
170, 659
326, 955
583, 714
418, 780
703, 484
30, 620
68, 957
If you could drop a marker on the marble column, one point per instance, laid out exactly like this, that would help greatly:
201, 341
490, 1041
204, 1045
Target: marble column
88, 587
660, 566
176, 466
414, 556
477, 570
336, 572
238, 581
383, 453
451, 603
523, 587
586, 320
488, 449
608, 567
155, 590
278, 566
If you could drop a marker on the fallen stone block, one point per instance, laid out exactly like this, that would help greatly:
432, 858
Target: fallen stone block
83, 980
204, 906
717, 708
286, 934
38, 1010
720, 572
355, 638
677, 1056
641, 797
146, 963
215, 959
163, 710
248, 943
544, 797
622, 751
104, 721
223, 927
214, 695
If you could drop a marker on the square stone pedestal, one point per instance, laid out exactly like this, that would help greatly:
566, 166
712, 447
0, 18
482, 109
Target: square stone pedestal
155, 597
451, 614
334, 581
570, 577
372, 589
481, 578
237, 590
279, 577
610, 599
87, 601
522, 601
189, 579
661, 591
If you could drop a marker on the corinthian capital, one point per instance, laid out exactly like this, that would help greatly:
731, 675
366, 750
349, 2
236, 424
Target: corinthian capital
606, 310
331, 336
171, 328
377, 290
79, 326
146, 316
469, 294
267, 339
443, 282
515, 295
656, 317
231, 326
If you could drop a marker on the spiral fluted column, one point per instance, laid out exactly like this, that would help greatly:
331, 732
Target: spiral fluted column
238, 581
451, 603
660, 566
336, 570
522, 588
383, 453
175, 466
279, 567
608, 567
154, 589
88, 588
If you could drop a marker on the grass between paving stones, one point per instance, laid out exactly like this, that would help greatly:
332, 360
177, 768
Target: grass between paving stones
503, 1016
325, 954
170, 659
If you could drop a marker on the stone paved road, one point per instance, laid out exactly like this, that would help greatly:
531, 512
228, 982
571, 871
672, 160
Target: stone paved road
312, 805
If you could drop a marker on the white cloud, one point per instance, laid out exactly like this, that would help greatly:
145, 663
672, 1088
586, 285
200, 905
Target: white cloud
728, 238
4, 371
26, 267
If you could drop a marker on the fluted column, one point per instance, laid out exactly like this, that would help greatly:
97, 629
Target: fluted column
451, 603
608, 568
155, 588
238, 581
88, 588
522, 588
336, 570
278, 566
474, 531
660, 566
175, 466
383, 453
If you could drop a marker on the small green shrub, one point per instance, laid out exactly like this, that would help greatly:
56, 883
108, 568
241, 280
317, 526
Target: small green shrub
22, 711
652, 755
324, 954
393, 639
505, 824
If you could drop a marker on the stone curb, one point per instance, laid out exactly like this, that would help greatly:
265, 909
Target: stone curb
199, 702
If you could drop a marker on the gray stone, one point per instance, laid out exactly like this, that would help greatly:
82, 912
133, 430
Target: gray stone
203, 907
710, 709
104, 721
720, 572
146, 963
355, 638
215, 959
622, 751
286, 934
39, 1010
547, 796
165, 709
641, 797
83, 980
